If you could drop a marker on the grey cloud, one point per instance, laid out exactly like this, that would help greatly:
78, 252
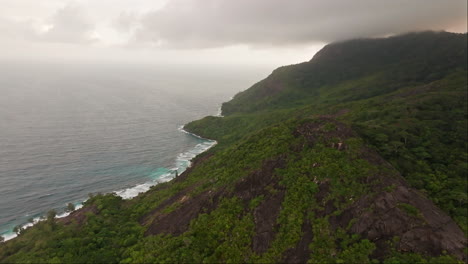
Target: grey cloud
69, 25
14, 30
126, 21
218, 23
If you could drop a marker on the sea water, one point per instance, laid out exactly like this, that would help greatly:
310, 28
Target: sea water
70, 130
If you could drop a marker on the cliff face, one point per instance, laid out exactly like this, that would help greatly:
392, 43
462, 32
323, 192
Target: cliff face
356, 156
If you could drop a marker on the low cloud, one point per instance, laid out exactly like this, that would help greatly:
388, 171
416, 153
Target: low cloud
126, 22
254, 31
12, 30
219, 23
69, 25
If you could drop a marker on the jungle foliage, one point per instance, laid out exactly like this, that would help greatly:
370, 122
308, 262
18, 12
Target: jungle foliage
406, 97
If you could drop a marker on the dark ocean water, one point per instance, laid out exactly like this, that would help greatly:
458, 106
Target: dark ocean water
66, 131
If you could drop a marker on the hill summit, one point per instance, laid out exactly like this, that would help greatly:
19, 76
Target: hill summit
356, 156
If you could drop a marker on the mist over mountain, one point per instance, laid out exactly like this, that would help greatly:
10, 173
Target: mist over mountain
356, 156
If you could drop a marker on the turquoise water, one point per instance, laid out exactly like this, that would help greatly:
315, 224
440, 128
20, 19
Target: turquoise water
67, 131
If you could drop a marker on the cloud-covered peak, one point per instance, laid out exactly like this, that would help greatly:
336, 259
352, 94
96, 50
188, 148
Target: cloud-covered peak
218, 23
282, 31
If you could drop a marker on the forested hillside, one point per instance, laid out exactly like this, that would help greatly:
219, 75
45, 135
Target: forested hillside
357, 156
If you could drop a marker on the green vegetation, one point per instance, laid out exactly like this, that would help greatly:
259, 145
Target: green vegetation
70, 207
409, 209
411, 107
291, 132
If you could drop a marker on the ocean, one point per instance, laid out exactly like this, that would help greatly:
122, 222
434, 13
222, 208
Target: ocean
70, 130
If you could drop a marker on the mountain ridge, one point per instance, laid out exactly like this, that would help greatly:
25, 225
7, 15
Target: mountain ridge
421, 51
342, 159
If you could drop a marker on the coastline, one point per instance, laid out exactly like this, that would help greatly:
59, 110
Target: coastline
182, 163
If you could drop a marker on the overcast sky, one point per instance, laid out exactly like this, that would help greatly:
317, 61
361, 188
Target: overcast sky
266, 32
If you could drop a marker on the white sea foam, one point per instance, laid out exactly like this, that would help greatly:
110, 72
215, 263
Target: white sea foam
134, 191
182, 162
220, 111
11, 235
220, 108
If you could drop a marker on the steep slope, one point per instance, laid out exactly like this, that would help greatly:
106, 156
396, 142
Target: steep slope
325, 197
358, 156
417, 124
385, 65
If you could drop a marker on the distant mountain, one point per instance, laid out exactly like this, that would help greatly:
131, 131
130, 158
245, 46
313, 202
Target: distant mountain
357, 156
392, 62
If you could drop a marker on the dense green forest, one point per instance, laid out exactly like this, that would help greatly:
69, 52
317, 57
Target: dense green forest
357, 156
